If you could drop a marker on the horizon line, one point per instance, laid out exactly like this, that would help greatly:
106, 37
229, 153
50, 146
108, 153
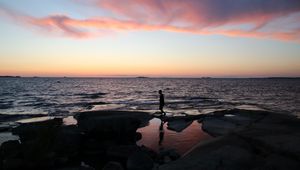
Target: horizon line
145, 77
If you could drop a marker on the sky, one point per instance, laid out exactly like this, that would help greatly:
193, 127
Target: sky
158, 38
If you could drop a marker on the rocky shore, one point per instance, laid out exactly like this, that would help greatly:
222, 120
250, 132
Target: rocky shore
248, 140
107, 140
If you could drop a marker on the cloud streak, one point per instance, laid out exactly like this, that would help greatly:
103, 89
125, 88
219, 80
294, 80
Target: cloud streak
245, 18
202, 13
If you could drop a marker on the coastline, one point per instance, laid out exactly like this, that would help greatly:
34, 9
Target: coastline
258, 139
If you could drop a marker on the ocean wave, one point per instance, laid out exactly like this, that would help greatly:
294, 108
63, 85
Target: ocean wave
91, 95
6, 104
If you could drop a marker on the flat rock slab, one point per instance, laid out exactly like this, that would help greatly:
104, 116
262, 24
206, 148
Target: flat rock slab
239, 119
233, 153
217, 127
278, 133
221, 154
247, 140
223, 122
178, 125
142, 116
31, 130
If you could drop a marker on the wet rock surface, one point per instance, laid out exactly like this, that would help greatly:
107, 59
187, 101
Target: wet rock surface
217, 127
179, 125
246, 140
107, 140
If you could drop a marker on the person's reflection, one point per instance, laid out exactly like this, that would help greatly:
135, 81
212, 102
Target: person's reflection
161, 132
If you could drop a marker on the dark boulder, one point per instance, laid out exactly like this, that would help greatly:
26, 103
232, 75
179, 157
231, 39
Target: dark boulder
29, 131
48, 144
10, 149
113, 166
122, 151
67, 141
142, 116
139, 161
119, 128
13, 164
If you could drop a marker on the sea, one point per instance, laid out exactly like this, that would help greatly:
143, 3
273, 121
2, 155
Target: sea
66, 96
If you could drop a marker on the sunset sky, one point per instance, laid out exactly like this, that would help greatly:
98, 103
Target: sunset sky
176, 38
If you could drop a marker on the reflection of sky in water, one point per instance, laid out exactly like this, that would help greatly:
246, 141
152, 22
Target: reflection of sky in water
62, 96
182, 141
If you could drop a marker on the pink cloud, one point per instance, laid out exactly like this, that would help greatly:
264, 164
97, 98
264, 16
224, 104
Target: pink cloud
204, 17
201, 13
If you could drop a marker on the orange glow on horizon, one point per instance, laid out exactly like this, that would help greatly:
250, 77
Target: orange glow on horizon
114, 71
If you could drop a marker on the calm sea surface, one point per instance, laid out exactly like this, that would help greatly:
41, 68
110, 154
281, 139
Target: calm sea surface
64, 96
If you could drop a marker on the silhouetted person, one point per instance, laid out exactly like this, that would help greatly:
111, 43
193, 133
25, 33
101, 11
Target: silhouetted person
161, 102
161, 132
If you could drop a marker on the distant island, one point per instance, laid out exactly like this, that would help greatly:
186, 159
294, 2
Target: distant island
283, 77
142, 77
10, 76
